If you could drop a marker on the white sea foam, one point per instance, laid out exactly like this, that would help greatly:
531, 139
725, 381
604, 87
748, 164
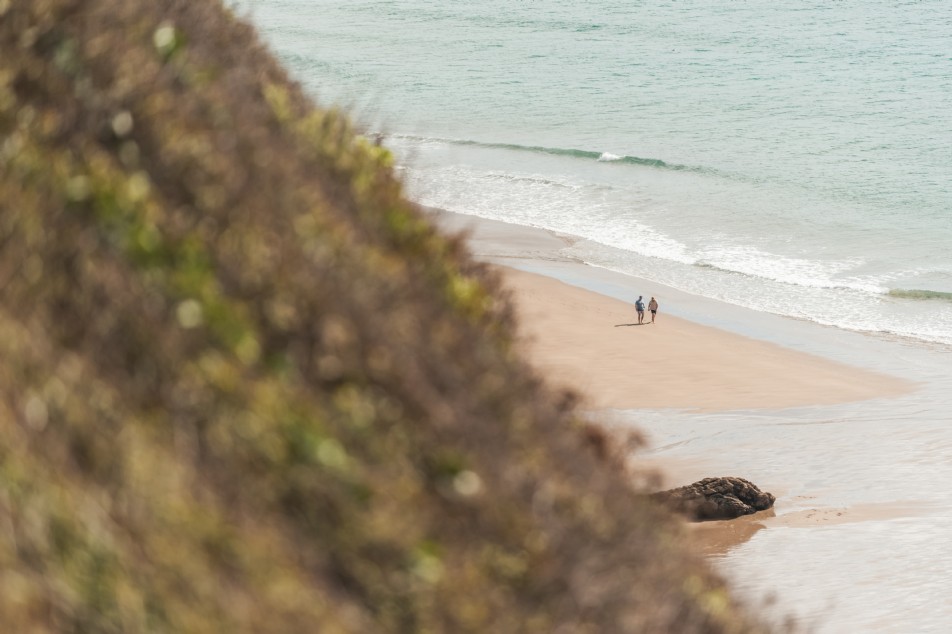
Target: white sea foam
619, 218
750, 260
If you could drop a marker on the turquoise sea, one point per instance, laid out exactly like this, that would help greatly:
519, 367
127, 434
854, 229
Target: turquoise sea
794, 158
779, 169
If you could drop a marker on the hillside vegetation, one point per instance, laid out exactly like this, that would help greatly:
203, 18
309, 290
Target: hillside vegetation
246, 387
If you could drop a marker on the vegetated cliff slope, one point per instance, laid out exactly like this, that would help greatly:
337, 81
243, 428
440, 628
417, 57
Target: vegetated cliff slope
245, 386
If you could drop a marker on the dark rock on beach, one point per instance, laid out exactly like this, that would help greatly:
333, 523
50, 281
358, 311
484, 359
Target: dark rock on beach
716, 499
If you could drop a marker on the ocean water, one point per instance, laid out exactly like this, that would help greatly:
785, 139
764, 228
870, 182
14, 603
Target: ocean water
763, 161
792, 158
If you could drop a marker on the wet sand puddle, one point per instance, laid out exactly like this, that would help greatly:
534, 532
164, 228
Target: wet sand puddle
860, 538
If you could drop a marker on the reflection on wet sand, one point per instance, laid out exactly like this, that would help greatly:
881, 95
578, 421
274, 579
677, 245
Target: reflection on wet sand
716, 538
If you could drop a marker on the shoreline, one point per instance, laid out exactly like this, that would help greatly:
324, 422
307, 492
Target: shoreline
578, 327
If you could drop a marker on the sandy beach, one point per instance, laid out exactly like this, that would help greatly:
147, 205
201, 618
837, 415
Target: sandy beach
593, 344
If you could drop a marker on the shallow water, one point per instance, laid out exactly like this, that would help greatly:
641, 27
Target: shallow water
790, 158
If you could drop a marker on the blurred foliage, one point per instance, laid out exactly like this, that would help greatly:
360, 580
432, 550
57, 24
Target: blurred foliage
246, 387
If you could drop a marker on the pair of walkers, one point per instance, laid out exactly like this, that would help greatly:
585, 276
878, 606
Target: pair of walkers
640, 307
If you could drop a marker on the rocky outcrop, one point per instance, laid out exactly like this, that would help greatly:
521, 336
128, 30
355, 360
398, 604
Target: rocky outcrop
716, 499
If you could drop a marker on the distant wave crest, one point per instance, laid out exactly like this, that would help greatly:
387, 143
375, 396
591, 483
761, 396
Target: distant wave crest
581, 154
916, 293
605, 157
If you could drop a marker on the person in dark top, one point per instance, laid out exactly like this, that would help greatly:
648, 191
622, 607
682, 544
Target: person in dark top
640, 307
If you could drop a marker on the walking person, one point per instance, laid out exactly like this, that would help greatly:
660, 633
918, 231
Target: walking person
653, 307
640, 307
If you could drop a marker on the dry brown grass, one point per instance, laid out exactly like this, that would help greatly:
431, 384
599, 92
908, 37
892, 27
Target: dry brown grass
246, 387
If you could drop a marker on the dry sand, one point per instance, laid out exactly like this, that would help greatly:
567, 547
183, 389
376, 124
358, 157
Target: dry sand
592, 343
